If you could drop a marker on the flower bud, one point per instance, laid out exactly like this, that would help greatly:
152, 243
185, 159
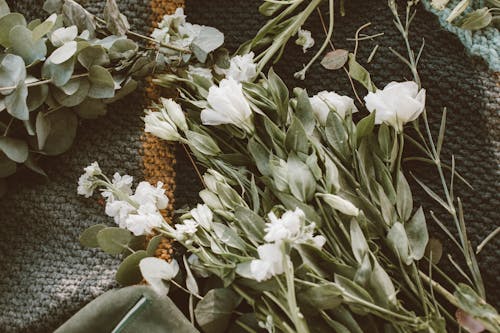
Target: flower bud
338, 203
175, 113
161, 127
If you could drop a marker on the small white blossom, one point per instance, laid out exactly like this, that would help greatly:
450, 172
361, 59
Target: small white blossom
155, 270
123, 184
242, 68
342, 205
269, 264
86, 181
147, 218
161, 126
119, 210
185, 229
146, 193
227, 105
326, 101
287, 227
396, 104
305, 40
203, 216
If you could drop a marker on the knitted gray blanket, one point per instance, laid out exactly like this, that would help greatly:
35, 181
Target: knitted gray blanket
46, 275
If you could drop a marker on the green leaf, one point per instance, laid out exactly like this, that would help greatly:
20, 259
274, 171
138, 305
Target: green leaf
207, 41
63, 124
260, 155
7, 22
52, 6
304, 112
434, 250
93, 55
280, 93
397, 238
191, 284
113, 240
102, 84
269, 8
290, 202
458, 10
359, 244
15, 149
7, 166
404, 198
77, 91
88, 238
478, 19
116, 22
203, 143
91, 108
322, 297
16, 102
75, 14
416, 230
43, 127
335, 59
4, 8
360, 74
12, 72
381, 285
365, 127
43, 28
300, 179
296, 137
127, 88
228, 236
351, 291
63, 53
470, 302
31, 163
128, 272
336, 134
124, 48
59, 74
61, 36
250, 223
213, 312
37, 96
22, 43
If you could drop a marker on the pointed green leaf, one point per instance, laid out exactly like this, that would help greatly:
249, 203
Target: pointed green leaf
416, 230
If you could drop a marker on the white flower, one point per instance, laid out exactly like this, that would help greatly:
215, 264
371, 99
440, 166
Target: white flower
287, 227
147, 218
323, 102
155, 270
175, 113
119, 210
242, 68
305, 40
397, 104
173, 21
200, 71
121, 184
146, 193
86, 181
160, 126
342, 205
203, 216
185, 229
227, 106
269, 264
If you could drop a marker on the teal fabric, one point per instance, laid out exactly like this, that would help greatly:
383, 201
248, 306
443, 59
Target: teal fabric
484, 43
129, 310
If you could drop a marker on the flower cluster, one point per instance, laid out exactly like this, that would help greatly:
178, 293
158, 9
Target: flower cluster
138, 212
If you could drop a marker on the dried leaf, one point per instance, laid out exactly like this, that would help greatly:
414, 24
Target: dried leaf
116, 22
335, 59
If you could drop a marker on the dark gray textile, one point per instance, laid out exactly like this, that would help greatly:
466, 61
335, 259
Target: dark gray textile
46, 275
452, 79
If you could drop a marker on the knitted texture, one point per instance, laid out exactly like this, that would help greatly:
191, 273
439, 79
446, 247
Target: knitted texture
484, 43
46, 274
452, 80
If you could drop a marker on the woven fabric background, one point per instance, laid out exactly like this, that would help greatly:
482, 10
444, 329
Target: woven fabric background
46, 275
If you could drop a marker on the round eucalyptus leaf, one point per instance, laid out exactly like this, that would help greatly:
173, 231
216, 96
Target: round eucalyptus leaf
102, 84
63, 124
7, 22
16, 102
76, 98
91, 108
89, 237
63, 53
123, 49
60, 74
33, 24
12, 71
37, 96
128, 272
93, 55
23, 44
7, 166
63, 35
15, 149
45, 27
113, 240
4, 8
153, 244
71, 86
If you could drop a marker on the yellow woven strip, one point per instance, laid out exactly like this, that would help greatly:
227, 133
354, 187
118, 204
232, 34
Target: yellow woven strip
158, 156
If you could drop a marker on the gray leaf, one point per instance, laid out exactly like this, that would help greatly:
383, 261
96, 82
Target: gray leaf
207, 40
15, 149
63, 35
102, 84
22, 43
215, 309
63, 53
16, 102
4, 8
416, 230
52, 6
93, 55
12, 72
116, 22
7, 22
63, 125
60, 74
77, 97
43, 128
74, 14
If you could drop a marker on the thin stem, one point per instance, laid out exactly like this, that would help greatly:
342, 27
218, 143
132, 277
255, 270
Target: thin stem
8, 126
42, 82
193, 163
185, 290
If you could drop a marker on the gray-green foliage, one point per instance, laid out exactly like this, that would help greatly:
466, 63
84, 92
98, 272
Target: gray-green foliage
55, 70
